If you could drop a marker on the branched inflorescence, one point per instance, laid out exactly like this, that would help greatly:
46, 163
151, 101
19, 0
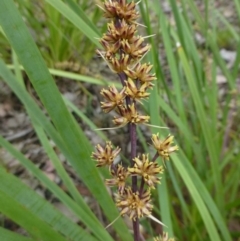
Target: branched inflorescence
123, 51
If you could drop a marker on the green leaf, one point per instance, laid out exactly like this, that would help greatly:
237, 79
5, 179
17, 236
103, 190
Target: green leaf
204, 125
198, 193
38, 229
43, 210
80, 211
80, 12
79, 21
19, 214
76, 145
7, 235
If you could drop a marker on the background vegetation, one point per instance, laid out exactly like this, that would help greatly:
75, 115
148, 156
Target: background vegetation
199, 197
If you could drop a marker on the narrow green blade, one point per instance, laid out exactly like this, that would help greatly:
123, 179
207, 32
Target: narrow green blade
7, 235
75, 141
23, 195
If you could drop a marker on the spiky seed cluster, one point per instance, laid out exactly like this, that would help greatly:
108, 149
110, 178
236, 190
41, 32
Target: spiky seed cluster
133, 204
119, 178
120, 10
164, 237
147, 169
129, 115
123, 50
105, 156
113, 97
164, 148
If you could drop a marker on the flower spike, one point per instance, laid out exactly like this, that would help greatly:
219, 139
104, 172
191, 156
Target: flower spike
123, 49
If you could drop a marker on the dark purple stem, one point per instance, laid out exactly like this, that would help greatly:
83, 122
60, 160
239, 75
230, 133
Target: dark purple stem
155, 157
133, 140
141, 189
122, 77
133, 136
136, 231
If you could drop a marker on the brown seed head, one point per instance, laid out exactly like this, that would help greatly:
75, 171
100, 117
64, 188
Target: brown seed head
141, 72
120, 10
136, 93
129, 115
119, 178
110, 49
164, 147
120, 64
135, 49
105, 155
148, 170
164, 237
119, 32
134, 205
113, 97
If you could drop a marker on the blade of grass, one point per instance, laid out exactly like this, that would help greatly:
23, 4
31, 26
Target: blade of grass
230, 27
154, 48
84, 118
162, 189
204, 194
153, 107
79, 211
196, 14
60, 169
78, 21
38, 229
205, 127
80, 12
77, 77
7, 235
236, 63
184, 205
17, 68
178, 21
211, 41
237, 4
54, 28
23, 195
171, 60
184, 129
45, 87
179, 162
54, 158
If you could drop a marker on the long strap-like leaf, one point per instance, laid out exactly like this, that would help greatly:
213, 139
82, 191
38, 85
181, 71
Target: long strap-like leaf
40, 208
7, 235
76, 143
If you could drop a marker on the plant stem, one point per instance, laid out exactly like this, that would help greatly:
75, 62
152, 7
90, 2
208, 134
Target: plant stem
141, 189
136, 232
155, 157
133, 138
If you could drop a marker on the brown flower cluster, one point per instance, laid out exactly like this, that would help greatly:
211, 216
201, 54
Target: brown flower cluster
123, 51
164, 237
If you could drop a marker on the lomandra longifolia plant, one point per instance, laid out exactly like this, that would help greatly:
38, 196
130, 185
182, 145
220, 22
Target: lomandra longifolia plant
123, 50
